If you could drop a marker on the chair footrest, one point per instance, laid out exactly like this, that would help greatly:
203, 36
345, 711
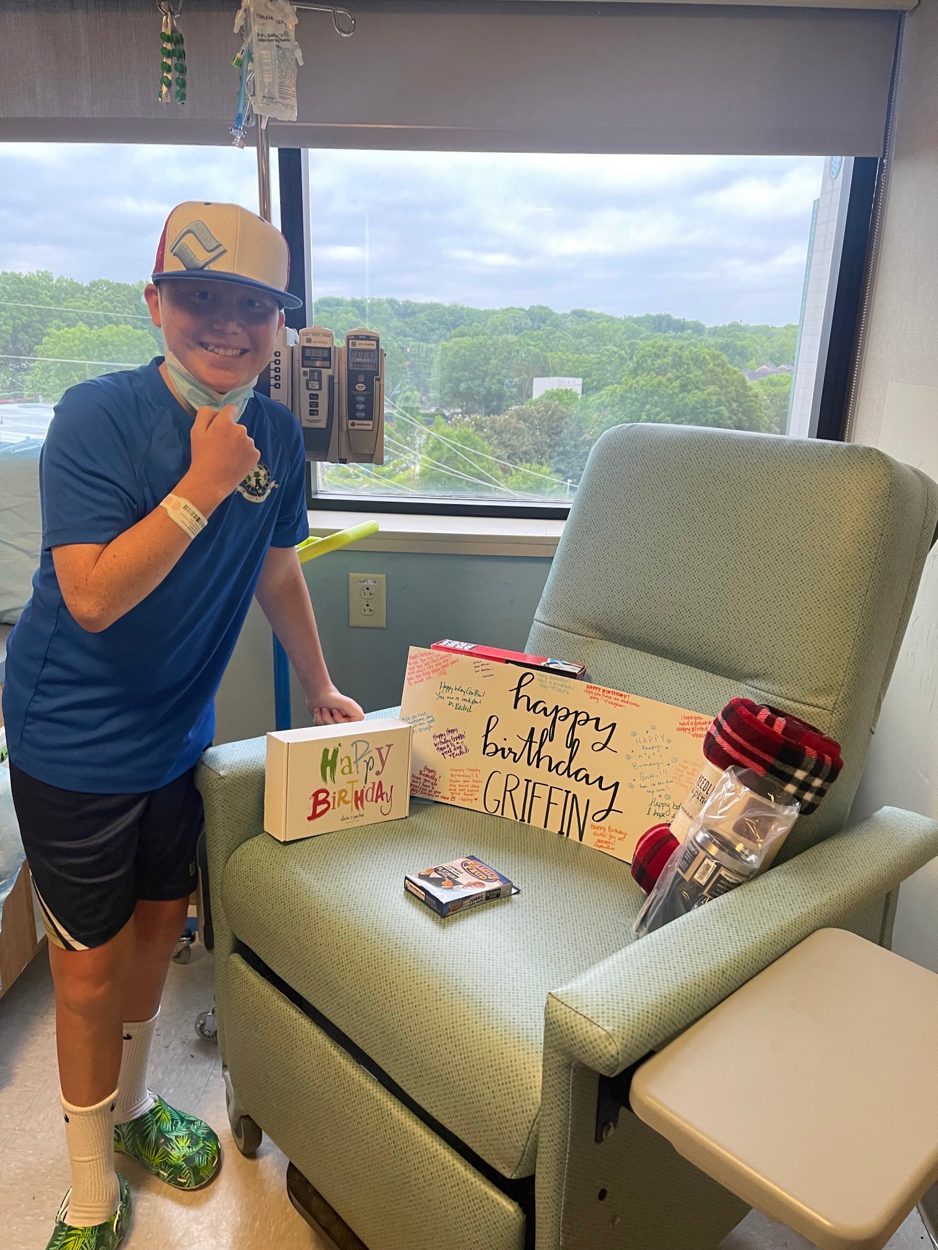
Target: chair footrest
318, 1214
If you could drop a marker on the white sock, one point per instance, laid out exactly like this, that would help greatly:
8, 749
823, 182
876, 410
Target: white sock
89, 1135
133, 1097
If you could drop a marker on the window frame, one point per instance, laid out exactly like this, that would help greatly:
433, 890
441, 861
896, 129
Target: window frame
840, 361
834, 382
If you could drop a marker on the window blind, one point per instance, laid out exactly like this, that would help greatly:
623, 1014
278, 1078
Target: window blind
534, 75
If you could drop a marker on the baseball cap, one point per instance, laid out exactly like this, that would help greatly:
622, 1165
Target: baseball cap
226, 243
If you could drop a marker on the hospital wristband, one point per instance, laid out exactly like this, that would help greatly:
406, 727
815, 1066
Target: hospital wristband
186, 515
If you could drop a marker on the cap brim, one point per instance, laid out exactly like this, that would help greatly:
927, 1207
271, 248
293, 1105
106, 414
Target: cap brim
283, 298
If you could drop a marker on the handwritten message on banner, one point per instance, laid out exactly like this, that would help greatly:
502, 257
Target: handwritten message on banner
593, 764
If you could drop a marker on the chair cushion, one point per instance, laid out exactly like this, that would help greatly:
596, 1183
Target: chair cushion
452, 1010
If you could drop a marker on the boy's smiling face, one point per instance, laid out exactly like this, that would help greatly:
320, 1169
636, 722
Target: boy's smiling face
223, 333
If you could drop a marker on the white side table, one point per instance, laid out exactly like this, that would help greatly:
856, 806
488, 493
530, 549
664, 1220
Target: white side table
812, 1092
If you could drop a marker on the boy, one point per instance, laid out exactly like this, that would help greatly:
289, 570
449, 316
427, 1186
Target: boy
171, 494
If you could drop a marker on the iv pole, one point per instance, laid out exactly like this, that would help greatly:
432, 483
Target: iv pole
312, 547
345, 28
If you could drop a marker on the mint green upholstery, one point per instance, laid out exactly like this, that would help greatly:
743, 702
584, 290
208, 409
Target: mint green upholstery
447, 980
394, 1056
704, 564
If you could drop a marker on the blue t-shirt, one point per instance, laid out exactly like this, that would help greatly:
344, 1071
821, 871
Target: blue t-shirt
128, 709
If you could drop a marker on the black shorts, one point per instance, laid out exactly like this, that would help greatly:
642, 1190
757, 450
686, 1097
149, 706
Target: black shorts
94, 856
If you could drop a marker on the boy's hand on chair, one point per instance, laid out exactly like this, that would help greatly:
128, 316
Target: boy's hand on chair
331, 707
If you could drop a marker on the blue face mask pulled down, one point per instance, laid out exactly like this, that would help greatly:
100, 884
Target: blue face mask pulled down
201, 396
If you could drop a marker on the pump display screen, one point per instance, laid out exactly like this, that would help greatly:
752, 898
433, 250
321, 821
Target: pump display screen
362, 354
315, 357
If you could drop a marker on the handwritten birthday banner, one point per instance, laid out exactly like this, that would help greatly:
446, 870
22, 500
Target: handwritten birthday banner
593, 764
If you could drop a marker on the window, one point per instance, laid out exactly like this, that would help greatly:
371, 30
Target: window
526, 303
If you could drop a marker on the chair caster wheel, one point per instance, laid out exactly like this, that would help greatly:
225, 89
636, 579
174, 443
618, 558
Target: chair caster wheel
206, 1026
247, 1135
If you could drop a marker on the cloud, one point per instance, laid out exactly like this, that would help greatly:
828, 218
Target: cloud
610, 232
791, 194
489, 260
714, 238
97, 212
340, 253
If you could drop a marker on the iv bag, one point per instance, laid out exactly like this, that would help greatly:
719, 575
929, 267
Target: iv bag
271, 49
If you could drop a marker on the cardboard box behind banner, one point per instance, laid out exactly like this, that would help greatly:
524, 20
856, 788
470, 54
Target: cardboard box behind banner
593, 764
336, 777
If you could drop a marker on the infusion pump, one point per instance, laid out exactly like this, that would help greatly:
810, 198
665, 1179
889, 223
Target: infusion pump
336, 392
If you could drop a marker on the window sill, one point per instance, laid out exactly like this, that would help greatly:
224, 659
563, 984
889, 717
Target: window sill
445, 535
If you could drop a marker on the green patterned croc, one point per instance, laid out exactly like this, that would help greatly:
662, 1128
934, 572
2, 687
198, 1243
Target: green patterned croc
178, 1148
106, 1236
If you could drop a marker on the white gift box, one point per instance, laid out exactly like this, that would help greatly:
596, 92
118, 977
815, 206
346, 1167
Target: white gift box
336, 777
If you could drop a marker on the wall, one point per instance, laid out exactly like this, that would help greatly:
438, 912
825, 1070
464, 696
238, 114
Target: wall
488, 599
898, 411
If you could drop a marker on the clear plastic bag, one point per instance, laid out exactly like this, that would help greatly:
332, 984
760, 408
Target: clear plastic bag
268, 61
736, 835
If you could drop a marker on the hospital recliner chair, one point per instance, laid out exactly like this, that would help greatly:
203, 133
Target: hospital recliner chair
463, 1084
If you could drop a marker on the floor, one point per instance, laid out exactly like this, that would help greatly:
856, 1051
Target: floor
247, 1207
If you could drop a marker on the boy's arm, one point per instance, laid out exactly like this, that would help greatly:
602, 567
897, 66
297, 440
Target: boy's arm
101, 582
284, 598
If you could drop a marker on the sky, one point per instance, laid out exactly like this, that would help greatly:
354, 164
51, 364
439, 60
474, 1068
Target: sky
715, 239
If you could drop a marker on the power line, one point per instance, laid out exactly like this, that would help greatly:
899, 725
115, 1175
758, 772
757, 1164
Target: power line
447, 469
457, 448
468, 459
94, 312
467, 454
62, 360
371, 480
451, 472
505, 464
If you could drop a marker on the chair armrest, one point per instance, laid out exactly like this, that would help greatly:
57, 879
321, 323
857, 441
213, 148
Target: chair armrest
639, 998
231, 780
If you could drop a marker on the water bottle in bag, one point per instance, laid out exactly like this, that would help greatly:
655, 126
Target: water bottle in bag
737, 834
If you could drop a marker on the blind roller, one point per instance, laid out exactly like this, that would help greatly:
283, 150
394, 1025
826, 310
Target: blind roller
785, 4
534, 76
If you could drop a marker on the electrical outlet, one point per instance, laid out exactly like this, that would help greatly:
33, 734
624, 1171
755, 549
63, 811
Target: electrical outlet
367, 605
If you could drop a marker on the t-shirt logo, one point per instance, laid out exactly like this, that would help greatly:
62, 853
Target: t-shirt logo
196, 247
258, 484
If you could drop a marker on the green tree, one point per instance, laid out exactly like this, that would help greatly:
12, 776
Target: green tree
537, 482
574, 443
528, 432
73, 354
748, 346
775, 391
455, 460
487, 375
664, 323
405, 431
32, 305
687, 385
